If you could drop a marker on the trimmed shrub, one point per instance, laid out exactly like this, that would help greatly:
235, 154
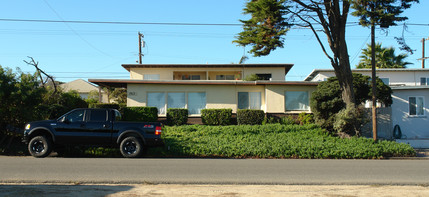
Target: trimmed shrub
144, 114
250, 116
177, 116
104, 105
216, 116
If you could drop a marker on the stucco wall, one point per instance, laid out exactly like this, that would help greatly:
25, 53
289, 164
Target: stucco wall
278, 73
217, 96
411, 126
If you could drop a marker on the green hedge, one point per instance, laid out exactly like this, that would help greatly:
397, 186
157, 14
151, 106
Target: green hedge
104, 105
216, 116
176, 116
271, 141
143, 114
250, 116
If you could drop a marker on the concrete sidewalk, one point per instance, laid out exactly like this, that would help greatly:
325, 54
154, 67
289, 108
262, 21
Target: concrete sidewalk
210, 190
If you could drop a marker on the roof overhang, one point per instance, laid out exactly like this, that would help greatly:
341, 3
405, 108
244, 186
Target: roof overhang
315, 72
122, 83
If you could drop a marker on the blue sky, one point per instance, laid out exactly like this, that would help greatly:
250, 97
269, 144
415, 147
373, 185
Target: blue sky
72, 50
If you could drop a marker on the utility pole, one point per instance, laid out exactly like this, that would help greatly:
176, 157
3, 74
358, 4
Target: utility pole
423, 52
141, 44
374, 83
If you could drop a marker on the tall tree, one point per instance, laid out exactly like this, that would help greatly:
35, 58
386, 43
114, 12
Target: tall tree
272, 19
384, 58
384, 14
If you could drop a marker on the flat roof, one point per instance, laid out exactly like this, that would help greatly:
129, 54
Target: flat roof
129, 66
317, 71
124, 82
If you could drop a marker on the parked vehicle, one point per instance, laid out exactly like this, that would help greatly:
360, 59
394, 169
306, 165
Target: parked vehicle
100, 127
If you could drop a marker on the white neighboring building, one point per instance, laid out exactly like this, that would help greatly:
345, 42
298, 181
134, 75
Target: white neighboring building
83, 88
410, 107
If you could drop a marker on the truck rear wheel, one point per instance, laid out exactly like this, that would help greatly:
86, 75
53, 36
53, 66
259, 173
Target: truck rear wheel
40, 146
131, 147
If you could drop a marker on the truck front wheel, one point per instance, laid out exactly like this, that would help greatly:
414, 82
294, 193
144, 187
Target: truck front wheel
131, 147
40, 146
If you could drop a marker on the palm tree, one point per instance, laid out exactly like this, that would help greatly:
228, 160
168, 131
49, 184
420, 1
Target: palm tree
384, 58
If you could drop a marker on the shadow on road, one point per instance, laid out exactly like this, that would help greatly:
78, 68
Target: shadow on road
62, 190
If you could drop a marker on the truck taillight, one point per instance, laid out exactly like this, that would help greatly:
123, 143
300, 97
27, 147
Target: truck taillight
158, 130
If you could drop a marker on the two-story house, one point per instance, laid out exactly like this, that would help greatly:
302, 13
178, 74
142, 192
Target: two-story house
208, 86
410, 107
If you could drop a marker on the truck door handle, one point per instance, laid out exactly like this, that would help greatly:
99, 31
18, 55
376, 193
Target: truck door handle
105, 126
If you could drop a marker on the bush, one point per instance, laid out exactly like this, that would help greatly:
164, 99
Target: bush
216, 116
305, 118
144, 114
350, 120
104, 105
176, 116
250, 116
326, 101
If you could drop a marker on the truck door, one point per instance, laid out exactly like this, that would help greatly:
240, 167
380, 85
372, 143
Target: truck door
98, 127
70, 127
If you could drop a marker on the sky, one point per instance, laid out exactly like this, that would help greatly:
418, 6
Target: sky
70, 51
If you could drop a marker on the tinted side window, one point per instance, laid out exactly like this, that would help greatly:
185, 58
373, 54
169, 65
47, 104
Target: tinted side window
75, 116
98, 115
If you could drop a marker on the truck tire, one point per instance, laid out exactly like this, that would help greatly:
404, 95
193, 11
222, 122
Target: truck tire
131, 147
40, 146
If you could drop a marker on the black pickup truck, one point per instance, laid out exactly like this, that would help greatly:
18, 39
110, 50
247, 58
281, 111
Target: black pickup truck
99, 127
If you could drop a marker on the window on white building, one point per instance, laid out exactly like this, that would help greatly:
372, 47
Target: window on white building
296, 101
196, 102
156, 99
249, 100
424, 81
385, 80
151, 77
416, 106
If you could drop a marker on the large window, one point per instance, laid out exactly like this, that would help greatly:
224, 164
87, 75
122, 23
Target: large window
196, 102
385, 80
296, 101
249, 100
151, 76
416, 106
156, 99
176, 100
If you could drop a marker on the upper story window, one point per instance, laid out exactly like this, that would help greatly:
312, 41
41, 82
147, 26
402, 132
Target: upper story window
249, 100
151, 77
296, 101
191, 77
264, 76
224, 77
424, 81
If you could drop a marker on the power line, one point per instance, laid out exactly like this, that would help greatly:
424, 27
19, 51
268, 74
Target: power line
148, 23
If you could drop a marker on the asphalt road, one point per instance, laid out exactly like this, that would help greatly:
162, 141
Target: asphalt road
213, 171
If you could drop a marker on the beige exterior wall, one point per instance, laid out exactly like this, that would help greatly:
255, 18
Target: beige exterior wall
217, 96
275, 97
221, 96
278, 73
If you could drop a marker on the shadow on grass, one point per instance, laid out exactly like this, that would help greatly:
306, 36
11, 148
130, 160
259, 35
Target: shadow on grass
62, 190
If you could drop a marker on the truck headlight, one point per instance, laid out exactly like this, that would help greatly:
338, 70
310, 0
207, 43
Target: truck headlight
27, 126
